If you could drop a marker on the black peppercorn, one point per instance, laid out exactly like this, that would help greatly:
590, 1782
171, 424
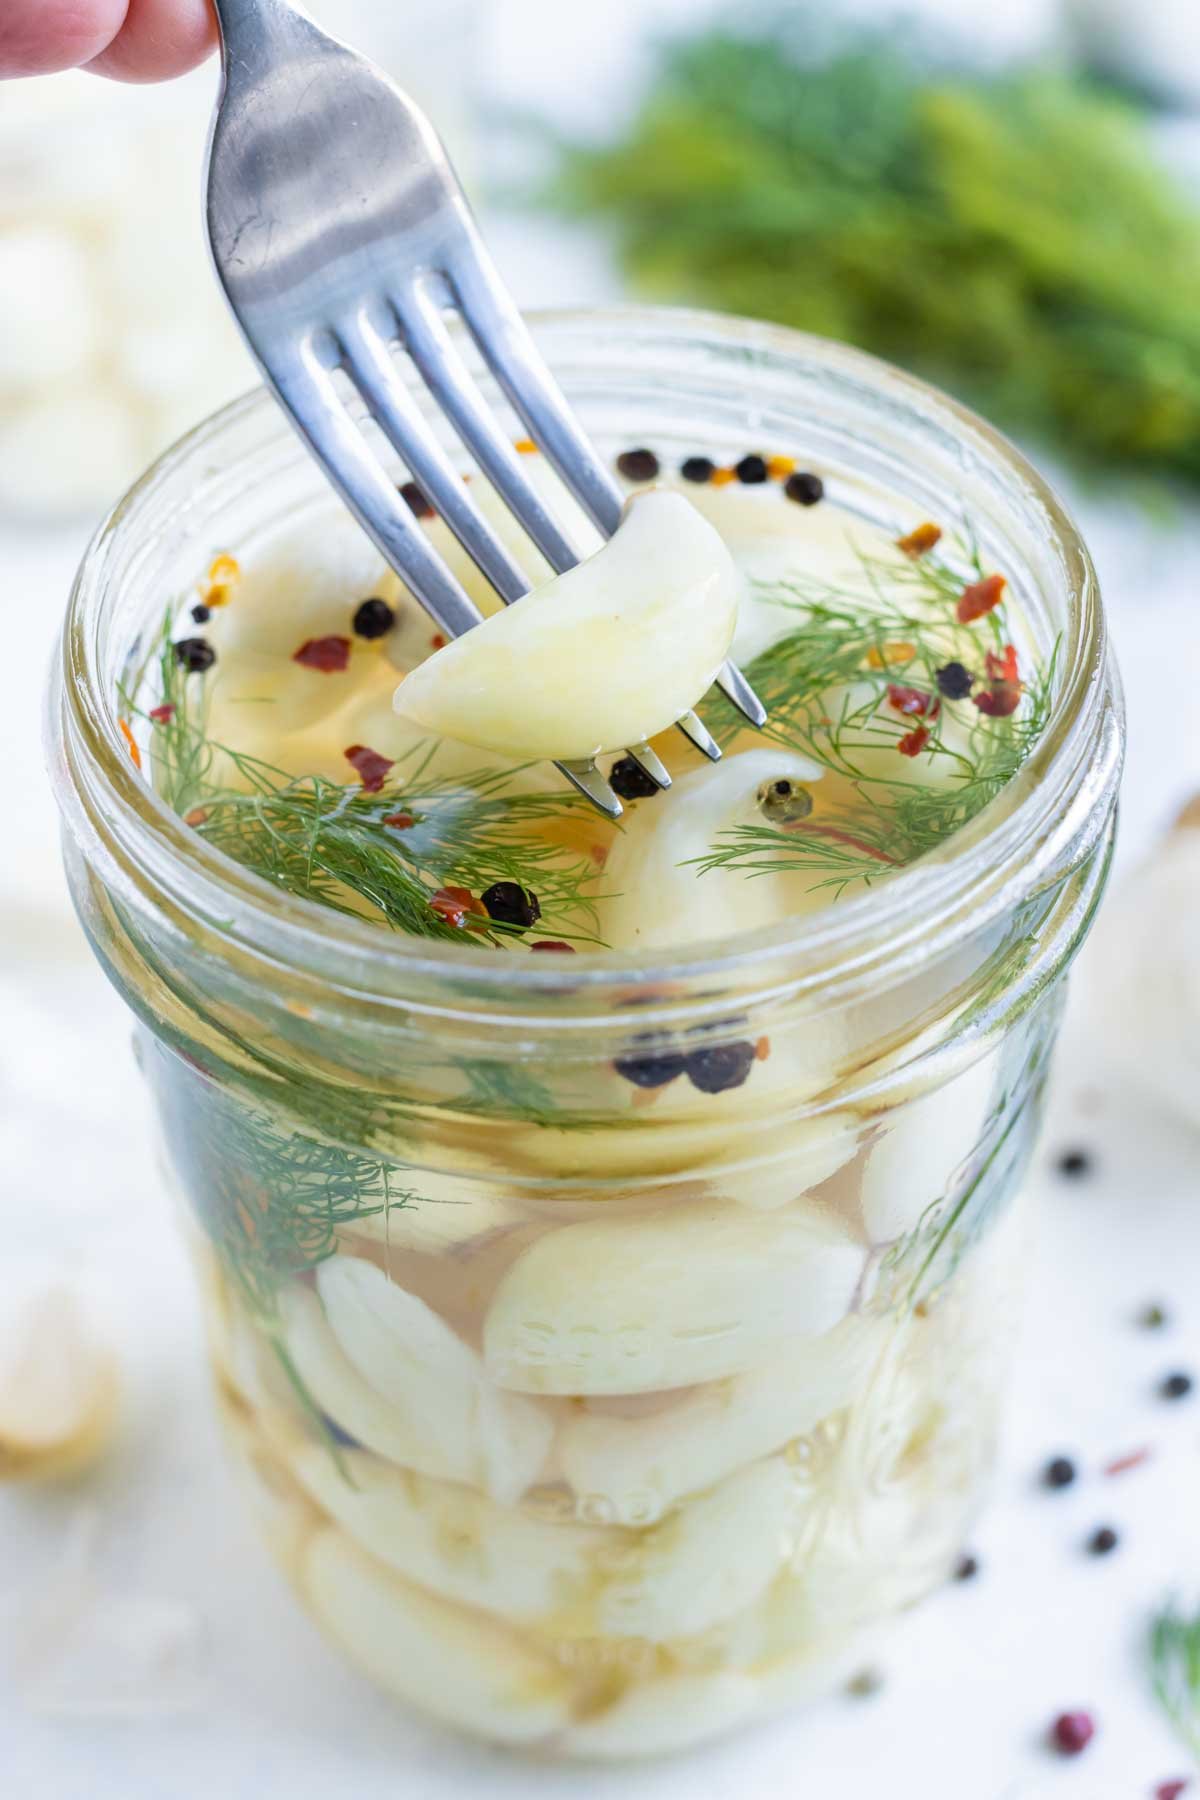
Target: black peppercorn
784, 802
697, 468
966, 1568
1103, 1541
1176, 1387
752, 470
415, 500
194, 654
954, 681
1074, 1163
510, 904
638, 465
201, 613
373, 619
804, 489
1059, 1473
628, 779
721, 1067
654, 1068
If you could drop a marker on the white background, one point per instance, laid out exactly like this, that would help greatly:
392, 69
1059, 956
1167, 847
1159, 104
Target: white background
257, 1705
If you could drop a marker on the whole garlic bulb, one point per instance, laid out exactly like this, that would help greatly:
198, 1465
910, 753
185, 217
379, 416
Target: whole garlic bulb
113, 337
58, 1382
1141, 973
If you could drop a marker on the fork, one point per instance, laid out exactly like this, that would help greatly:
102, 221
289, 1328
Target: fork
339, 230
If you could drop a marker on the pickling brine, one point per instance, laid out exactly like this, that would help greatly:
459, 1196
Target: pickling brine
610, 1233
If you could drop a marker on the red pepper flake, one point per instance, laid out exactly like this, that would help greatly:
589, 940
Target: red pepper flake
370, 767
921, 541
841, 837
762, 1049
999, 701
162, 715
402, 821
1133, 1459
197, 816
438, 641
553, 944
914, 742
599, 854
780, 467
454, 903
329, 655
525, 447
1003, 667
913, 701
135, 755
723, 477
980, 597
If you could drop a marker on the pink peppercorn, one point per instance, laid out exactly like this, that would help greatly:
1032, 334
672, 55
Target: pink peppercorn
1072, 1732
1171, 1790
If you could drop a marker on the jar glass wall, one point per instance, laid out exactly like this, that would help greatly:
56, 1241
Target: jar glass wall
582, 1423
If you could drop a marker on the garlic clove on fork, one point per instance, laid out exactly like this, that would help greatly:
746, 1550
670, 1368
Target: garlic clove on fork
611, 652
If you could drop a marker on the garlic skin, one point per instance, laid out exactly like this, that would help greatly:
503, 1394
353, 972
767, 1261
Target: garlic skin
608, 654
58, 1384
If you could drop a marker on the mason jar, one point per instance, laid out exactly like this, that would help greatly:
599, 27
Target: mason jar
577, 1422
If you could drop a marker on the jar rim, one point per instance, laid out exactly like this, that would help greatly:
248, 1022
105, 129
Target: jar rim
1063, 793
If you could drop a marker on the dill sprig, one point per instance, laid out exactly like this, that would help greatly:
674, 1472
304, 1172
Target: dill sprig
330, 842
895, 624
1174, 1656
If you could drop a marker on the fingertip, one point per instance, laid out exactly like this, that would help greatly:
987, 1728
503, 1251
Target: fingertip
159, 40
57, 34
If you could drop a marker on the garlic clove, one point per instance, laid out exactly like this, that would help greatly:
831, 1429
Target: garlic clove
631, 1469
58, 1384
702, 1564
660, 897
460, 1666
430, 1383
609, 653
701, 1291
923, 1147
653, 1718
455, 1542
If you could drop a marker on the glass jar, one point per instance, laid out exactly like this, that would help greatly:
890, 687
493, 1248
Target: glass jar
579, 1422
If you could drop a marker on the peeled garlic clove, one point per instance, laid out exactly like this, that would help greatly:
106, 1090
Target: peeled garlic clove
454, 1214
58, 1384
452, 1541
431, 1380
709, 1560
634, 1469
805, 1155
626, 1306
609, 653
459, 1666
652, 1718
660, 897
923, 1148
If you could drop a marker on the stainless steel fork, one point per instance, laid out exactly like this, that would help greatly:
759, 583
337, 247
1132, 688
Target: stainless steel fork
339, 230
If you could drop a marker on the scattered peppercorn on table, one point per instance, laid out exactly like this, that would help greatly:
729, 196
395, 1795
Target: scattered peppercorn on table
608, 1233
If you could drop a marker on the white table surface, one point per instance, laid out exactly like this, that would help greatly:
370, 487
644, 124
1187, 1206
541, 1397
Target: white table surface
261, 1707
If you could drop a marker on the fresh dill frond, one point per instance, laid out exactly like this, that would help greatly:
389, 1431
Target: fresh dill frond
825, 687
333, 843
1174, 1657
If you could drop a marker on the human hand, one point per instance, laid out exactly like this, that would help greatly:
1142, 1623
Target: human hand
130, 40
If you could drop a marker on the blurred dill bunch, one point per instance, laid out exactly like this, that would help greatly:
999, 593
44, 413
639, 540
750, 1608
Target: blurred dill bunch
1009, 234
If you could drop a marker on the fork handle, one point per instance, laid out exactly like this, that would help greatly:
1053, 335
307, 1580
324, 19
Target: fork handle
250, 28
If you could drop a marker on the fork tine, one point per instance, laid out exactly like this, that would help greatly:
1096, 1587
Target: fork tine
735, 687
699, 735
315, 408
449, 380
518, 365
650, 764
368, 362
588, 779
